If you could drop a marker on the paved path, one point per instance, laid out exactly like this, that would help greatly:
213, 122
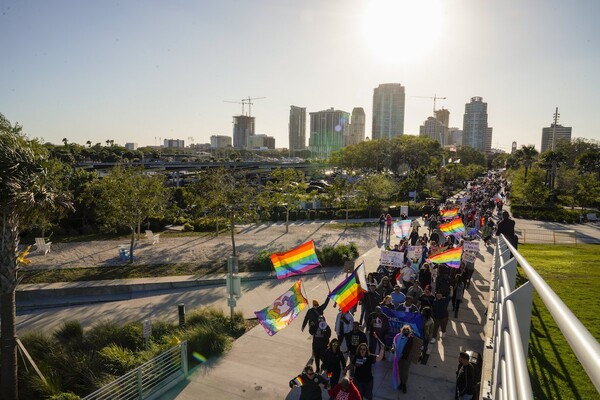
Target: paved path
259, 366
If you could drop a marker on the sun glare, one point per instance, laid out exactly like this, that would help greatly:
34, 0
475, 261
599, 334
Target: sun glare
402, 31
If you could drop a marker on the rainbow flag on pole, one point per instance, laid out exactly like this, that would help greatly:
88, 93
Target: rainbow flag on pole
295, 261
351, 290
454, 227
283, 311
448, 214
450, 257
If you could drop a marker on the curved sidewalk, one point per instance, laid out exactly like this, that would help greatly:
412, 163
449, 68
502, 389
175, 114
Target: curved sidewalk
260, 366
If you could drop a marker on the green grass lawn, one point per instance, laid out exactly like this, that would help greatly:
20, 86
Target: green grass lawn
573, 273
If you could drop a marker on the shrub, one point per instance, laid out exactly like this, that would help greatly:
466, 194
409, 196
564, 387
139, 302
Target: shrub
262, 261
65, 396
545, 213
337, 256
117, 360
188, 227
206, 342
128, 336
69, 333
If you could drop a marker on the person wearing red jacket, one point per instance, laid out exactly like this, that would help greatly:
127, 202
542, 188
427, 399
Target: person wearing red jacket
344, 390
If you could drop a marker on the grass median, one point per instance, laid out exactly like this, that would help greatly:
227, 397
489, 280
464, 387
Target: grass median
570, 271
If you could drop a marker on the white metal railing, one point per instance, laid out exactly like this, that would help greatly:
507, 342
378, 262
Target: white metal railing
547, 236
150, 380
508, 340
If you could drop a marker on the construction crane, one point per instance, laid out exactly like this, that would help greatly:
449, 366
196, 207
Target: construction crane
245, 101
435, 97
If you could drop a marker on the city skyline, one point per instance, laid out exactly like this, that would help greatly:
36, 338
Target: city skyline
139, 71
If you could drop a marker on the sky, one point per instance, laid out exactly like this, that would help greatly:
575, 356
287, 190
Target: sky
142, 71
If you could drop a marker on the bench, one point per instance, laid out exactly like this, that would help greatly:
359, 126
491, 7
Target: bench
42, 246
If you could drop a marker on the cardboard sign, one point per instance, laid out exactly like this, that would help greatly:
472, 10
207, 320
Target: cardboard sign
391, 258
469, 257
472, 246
415, 252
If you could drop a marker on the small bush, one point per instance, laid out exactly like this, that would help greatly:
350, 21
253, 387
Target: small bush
206, 342
117, 360
188, 227
69, 333
337, 256
128, 336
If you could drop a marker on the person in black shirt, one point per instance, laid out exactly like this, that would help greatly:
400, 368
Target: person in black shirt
334, 362
310, 384
506, 227
354, 338
465, 378
312, 316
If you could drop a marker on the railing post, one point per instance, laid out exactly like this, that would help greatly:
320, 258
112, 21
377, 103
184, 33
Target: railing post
554, 236
139, 383
523, 299
184, 359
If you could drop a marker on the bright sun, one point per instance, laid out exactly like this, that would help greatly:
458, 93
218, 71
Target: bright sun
402, 31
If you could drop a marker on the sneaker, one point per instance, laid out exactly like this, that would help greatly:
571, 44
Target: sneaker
432, 341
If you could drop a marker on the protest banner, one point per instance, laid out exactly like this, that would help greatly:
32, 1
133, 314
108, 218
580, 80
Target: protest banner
472, 246
415, 252
397, 319
391, 258
469, 257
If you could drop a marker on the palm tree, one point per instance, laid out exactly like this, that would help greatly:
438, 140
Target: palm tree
526, 155
550, 161
25, 195
89, 143
65, 141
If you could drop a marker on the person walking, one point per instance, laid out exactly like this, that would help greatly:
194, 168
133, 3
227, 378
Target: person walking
382, 221
312, 316
361, 364
388, 222
427, 334
401, 348
320, 341
354, 338
506, 227
343, 325
440, 315
465, 378
334, 362
457, 294
310, 384
378, 326
344, 390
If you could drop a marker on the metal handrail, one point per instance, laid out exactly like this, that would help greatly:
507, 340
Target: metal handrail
584, 345
148, 380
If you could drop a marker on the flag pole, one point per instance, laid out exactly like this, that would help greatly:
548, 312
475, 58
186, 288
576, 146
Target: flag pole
325, 276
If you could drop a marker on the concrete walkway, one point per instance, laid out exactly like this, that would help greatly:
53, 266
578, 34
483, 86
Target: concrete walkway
260, 366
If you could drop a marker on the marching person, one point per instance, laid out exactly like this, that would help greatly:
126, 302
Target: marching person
310, 384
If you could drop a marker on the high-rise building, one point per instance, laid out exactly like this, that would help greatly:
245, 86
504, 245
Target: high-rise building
388, 111
243, 127
220, 141
328, 132
357, 126
475, 124
455, 137
131, 146
488, 140
297, 129
433, 129
563, 134
513, 148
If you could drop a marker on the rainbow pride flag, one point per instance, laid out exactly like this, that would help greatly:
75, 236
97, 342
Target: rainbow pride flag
295, 261
450, 257
283, 311
454, 227
448, 214
298, 381
351, 290
402, 228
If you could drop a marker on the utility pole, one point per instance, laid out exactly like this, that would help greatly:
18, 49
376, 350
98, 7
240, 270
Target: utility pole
556, 115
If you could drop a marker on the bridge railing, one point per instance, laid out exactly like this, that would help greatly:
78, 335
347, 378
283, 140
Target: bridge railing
505, 373
150, 380
547, 236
